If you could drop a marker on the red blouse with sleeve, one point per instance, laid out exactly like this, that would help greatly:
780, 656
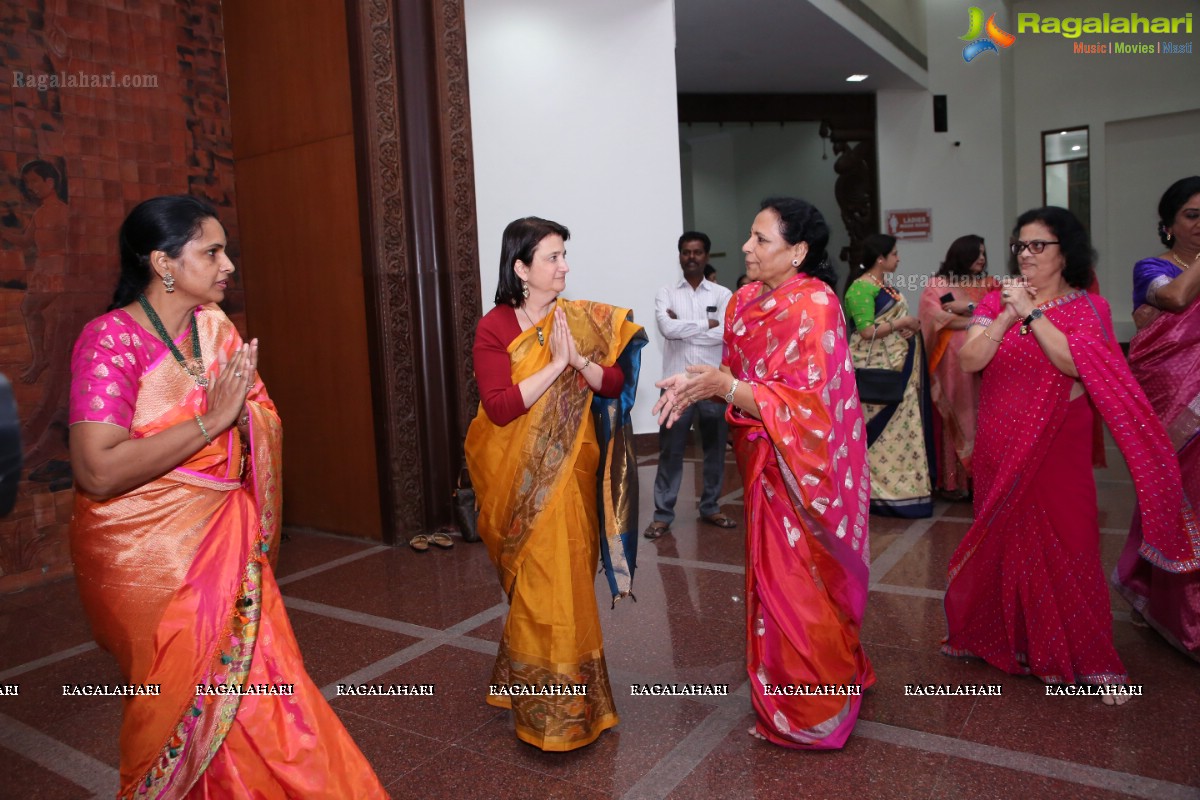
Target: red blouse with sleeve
501, 398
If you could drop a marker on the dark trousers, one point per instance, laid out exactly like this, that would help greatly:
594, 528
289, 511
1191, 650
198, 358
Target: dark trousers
709, 416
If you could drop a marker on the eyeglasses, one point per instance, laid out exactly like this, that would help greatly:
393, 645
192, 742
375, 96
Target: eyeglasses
1035, 247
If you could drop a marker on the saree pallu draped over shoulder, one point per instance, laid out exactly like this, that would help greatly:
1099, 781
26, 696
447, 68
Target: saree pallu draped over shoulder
546, 482
1164, 356
807, 494
176, 578
1026, 588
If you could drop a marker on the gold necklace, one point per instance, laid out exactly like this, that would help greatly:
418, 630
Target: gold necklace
1179, 260
540, 335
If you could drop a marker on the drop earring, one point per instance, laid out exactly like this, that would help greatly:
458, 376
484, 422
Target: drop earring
169, 282
525, 290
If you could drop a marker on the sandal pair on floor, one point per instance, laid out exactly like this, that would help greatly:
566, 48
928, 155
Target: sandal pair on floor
421, 541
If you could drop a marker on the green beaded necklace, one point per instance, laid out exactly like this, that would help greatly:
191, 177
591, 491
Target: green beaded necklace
196, 367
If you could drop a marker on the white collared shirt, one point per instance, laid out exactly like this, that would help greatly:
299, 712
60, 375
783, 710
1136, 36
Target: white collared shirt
689, 339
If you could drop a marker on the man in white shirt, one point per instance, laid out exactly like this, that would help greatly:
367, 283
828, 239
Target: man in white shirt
691, 318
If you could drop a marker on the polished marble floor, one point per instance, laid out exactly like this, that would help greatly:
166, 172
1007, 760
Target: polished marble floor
366, 613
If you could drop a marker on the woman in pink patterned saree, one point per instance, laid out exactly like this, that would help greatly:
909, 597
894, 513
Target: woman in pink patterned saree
947, 305
1165, 358
176, 461
798, 432
1027, 591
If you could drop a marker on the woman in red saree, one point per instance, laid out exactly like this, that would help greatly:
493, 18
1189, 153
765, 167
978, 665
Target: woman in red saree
1165, 359
947, 304
1026, 589
553, 469
177, 514
798, 432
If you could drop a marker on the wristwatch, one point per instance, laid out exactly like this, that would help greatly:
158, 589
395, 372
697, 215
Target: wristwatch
970, 309
732, 389
1028, 321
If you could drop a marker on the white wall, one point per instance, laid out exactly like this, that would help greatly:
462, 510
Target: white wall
1056, 88
573, 118
960, 174
734, 166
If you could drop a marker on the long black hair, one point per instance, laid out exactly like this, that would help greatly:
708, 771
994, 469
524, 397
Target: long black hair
800, 221
161, 223
520, 239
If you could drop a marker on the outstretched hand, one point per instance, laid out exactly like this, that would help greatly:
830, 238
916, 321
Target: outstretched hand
699, 382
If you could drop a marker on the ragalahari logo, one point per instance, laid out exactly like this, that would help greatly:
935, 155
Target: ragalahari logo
995, 36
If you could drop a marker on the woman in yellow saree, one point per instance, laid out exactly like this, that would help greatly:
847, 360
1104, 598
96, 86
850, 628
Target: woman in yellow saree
177, 514
535, 452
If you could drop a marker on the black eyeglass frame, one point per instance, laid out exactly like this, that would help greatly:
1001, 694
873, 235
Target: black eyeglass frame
1036, 246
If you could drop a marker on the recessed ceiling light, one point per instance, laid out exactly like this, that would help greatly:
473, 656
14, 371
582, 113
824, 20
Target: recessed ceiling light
1064, 133
857, 78
1076, 147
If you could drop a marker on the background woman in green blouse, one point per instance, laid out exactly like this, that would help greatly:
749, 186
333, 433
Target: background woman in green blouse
887, 337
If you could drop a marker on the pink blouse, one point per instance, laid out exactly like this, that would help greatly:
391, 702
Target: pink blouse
111, 355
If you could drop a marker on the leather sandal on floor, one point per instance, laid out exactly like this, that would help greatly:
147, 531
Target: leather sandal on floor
441, 539
719, 519
656, 530
420, 543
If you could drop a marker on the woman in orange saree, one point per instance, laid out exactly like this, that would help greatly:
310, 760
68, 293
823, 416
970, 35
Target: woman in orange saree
947, 304
177, 515
798, 432
535, 452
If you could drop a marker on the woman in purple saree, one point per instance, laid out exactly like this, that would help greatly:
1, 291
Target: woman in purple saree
1165, 358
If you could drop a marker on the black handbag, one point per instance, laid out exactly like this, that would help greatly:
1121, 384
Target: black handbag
884, 387
464, 508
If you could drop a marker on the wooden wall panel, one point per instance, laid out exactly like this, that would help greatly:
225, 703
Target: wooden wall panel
294, 160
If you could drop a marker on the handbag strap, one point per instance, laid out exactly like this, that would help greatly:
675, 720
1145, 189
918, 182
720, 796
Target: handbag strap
912, 349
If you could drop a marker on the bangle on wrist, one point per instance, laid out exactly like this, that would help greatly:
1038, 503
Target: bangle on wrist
985, 333
584, 365
203, 429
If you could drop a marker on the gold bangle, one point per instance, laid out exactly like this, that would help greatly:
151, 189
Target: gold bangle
997, 341
203, 429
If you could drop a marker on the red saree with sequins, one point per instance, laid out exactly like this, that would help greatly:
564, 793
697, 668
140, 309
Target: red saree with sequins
807, 495
1026, 589
1165, 358
177, 582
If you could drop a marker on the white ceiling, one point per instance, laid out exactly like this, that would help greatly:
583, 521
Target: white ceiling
775, 47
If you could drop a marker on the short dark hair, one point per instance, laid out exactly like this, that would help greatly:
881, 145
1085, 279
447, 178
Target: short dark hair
1172, 200
962, 254
46, 171
800, 221
1073, 242
521, 237
164, 223
709, 270
695, 236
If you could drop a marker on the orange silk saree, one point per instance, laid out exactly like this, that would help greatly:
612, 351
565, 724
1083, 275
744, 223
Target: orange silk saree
536, 480
176, 579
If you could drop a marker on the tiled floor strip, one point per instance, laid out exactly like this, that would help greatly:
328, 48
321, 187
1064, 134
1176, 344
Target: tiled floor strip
79, 768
